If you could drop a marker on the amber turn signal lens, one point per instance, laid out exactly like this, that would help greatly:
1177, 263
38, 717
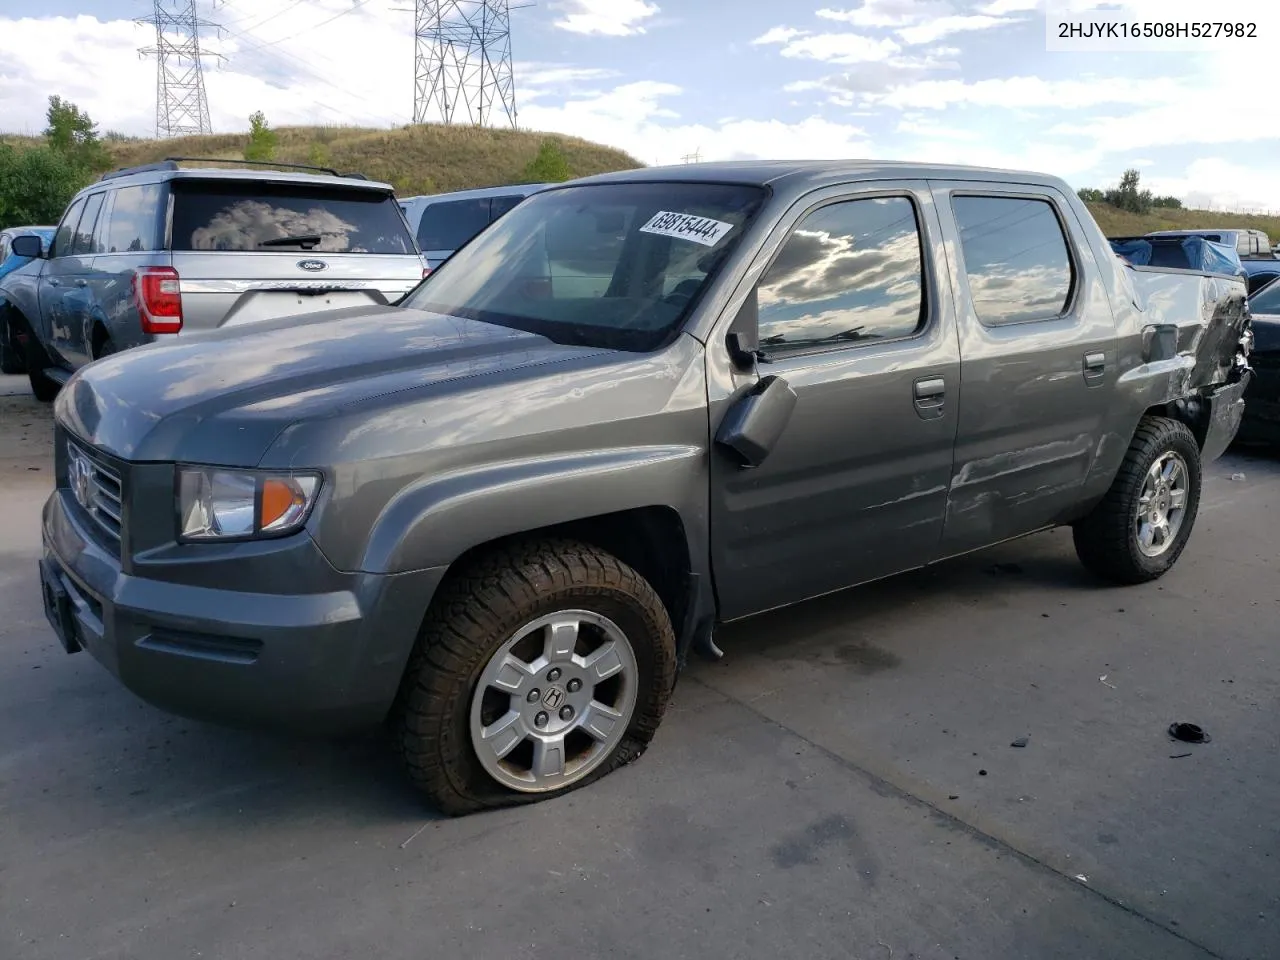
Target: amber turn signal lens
281, 498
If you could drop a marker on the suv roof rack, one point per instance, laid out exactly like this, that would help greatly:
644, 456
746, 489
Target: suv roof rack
172, 163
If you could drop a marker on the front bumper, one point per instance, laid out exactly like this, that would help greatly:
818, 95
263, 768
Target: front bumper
317, 662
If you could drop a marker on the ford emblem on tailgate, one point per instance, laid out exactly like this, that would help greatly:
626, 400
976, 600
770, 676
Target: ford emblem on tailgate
313, 265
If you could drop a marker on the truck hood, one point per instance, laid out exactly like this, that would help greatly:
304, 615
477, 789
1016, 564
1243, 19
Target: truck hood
222, 397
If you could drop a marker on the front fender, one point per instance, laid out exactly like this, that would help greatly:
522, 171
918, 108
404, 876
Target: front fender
433, 522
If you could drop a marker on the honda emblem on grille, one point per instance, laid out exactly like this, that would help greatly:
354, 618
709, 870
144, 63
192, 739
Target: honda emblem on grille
80, 477
315, 266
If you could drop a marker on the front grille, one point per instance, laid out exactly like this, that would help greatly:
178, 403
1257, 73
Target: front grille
97, 489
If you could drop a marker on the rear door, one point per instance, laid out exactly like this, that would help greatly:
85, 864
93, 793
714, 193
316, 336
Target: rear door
247, 250
1038, 360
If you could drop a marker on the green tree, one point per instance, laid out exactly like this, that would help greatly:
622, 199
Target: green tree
1090, 194
262, 139
36, 185
1127, 196
1167, 203
549, 166
318, 155
72, 133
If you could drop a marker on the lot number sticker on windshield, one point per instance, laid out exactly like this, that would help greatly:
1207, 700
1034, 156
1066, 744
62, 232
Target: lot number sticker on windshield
701, 230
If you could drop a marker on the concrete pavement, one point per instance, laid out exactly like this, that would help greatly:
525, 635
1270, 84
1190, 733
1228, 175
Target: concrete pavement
842, 785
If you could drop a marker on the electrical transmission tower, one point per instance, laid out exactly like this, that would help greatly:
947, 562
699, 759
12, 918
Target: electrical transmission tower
462, 62
182, 107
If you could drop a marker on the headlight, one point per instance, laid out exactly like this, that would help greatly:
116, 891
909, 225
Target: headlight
230, 504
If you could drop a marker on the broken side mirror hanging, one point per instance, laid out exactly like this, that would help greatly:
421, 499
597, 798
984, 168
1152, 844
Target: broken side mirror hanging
754, 425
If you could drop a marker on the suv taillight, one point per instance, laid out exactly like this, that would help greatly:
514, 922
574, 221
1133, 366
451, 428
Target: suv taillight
157, 293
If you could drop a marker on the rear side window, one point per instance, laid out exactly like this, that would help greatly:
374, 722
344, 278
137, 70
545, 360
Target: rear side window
450, 224
502, 205
849, 272
1015, 257
261, 217
132, 220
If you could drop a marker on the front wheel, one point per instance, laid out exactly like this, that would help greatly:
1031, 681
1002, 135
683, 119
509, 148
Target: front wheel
538, 670
1143, 523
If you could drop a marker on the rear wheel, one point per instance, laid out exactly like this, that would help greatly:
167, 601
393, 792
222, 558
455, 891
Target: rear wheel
539, 670
1140, 528
45, 389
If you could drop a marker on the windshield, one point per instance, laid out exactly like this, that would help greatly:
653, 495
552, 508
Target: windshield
612, 265
1266, 300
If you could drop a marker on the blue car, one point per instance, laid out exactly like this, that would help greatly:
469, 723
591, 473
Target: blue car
11, 357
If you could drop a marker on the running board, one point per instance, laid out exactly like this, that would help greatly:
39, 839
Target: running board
58, 375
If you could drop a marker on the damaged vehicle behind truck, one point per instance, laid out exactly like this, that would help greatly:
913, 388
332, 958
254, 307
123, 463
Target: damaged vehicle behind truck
500, 514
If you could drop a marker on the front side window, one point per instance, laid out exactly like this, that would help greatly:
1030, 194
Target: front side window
851, 271
82, 245
1015, 258
133, 220
222, 215
615, 265
63, 239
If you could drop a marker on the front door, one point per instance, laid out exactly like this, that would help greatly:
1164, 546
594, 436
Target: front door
1038, 360
856, 320
57, 280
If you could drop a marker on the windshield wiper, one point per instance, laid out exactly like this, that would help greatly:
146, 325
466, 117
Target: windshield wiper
304, 240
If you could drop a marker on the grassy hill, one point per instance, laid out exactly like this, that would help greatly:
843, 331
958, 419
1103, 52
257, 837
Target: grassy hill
428, 158
1120, 223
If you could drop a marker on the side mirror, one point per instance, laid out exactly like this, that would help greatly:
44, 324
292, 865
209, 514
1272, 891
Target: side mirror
28, 245
754, 425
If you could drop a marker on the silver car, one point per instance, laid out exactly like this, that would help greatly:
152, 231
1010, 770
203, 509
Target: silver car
444, 222
160, 251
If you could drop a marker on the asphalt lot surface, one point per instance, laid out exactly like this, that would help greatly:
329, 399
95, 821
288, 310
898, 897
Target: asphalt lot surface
842, 785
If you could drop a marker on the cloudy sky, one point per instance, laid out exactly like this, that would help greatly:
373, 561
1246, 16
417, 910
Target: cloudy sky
966, 81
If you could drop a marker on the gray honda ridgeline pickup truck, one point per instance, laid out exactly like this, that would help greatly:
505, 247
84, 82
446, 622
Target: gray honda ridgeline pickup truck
498, 515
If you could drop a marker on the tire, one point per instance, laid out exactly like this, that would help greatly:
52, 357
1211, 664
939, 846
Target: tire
10, 359
486, 608
1111, 540
45, 390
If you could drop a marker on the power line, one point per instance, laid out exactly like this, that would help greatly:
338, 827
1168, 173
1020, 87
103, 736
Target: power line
322, 23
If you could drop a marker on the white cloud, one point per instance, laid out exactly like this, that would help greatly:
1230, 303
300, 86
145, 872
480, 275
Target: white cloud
777, 35
844, 48
611, 18
633, 117
888, 13
1026, 92
1217, 183
932, 30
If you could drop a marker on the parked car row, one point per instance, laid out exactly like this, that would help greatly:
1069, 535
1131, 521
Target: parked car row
499, 513
162, 251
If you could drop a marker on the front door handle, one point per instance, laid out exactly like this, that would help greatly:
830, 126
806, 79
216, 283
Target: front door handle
55, 282
82, 282
930, 397
1095, 366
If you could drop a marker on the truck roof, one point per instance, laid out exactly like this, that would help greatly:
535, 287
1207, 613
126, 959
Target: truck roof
811, 174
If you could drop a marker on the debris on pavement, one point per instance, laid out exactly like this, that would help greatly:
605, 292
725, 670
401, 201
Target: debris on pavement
1188, 733
1237, 476
1082, 878
1178, 756
1103, 680
982, 773
1020, 742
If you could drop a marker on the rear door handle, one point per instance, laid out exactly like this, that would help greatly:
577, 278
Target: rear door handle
82, 282
1095, 365
930, 397
55, 282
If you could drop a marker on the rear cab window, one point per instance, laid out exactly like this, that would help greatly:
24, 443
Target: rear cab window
1016, 258
253, 216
